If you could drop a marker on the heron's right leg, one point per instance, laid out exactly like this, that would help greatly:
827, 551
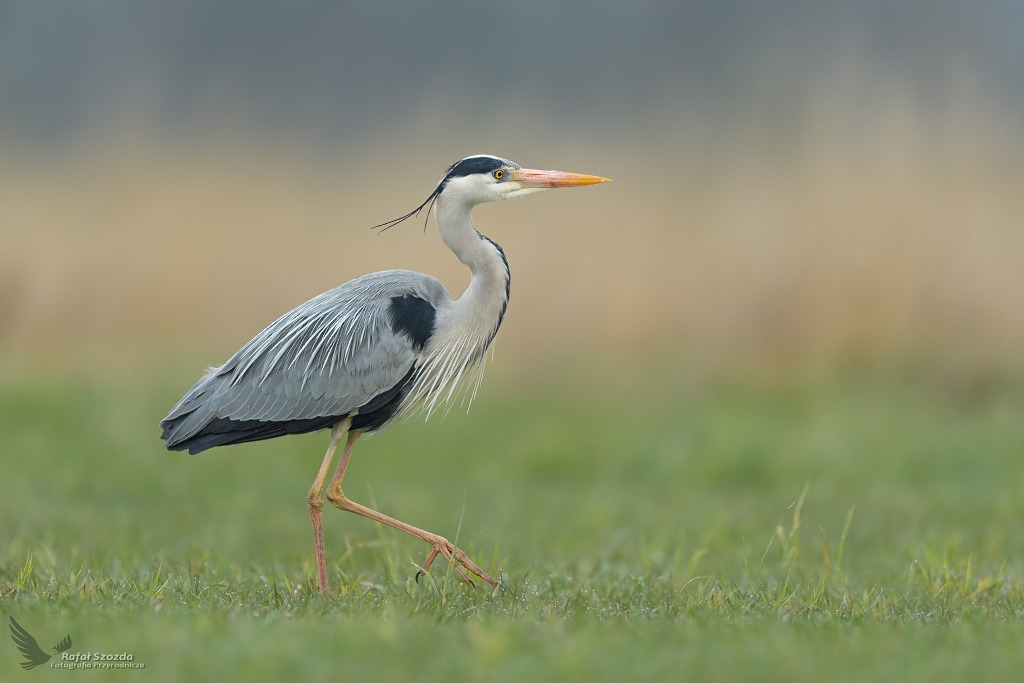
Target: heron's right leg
316, 503
440, 544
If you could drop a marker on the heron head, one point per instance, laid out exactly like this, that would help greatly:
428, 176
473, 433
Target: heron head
485, 178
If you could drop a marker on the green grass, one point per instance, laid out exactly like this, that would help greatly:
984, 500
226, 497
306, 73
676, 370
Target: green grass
840, 530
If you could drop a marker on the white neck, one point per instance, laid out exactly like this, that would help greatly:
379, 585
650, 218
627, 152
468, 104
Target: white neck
483, 303
454, 356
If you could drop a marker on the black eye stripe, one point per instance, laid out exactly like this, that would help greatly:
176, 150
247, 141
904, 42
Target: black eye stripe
476, 165
465, 167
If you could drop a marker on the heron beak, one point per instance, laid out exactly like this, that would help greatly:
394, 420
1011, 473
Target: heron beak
528, 177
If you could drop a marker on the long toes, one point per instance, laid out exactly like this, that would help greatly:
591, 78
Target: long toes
458, 560
426, 565
472, 566
455, 563
463, 574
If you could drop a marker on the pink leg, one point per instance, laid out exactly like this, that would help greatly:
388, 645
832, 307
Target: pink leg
441, 545
316, 504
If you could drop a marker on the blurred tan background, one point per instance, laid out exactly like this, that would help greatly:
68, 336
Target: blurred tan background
793, 189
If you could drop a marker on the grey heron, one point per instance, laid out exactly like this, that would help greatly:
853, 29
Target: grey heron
363, 355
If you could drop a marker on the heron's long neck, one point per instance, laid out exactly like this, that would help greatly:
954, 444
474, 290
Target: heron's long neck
454, 355
482, 306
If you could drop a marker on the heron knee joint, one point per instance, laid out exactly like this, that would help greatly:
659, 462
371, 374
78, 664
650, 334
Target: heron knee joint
336, 497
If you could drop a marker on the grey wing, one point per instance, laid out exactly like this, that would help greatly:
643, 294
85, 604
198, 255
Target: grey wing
309, 369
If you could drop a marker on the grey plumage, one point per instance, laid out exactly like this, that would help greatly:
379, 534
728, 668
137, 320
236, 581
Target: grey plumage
323, 359
367, 353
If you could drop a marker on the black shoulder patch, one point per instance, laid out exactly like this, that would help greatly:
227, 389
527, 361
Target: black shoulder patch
413, 317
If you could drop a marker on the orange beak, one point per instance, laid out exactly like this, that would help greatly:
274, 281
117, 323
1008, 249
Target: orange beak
528, 177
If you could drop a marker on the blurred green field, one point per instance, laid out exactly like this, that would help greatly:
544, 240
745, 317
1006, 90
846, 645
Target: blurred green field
651, 531
757, 410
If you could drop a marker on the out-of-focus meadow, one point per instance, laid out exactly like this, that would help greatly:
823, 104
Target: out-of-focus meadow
899, 244
755, 409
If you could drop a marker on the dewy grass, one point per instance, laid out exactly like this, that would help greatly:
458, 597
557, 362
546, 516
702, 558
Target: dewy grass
933, 589
937, 586
697, 542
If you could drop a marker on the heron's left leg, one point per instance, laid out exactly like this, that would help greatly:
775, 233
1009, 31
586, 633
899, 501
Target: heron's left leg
441, 545
316, 505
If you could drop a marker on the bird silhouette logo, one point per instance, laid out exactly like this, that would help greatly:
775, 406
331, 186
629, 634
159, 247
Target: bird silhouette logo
34, 655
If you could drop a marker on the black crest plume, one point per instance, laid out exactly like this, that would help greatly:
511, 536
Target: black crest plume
387, 225
480, 163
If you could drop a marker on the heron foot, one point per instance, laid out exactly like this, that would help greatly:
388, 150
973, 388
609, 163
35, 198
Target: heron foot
458, 560
441, 546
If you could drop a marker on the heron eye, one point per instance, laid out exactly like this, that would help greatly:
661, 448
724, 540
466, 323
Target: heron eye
499, 174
